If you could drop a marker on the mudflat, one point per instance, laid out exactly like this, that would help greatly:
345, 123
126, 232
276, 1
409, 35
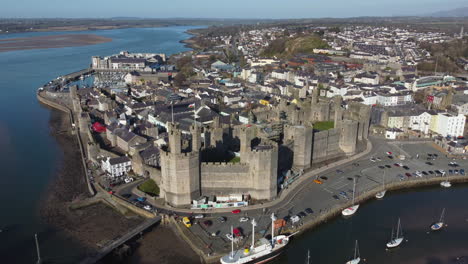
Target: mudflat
47, 42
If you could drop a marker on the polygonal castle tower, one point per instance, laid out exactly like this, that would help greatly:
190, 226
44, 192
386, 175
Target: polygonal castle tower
261, 155
180, 170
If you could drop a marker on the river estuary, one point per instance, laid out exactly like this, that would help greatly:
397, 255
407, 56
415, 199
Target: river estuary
30, 157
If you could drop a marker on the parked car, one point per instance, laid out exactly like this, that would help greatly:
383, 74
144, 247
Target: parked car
243, 219
186, 222
339, 171
127, 195
318, 181
221, 219
405, 167
396, 165
324, 177
431, 172
450, 172
199, 216
408, 174
295, 219
148, 207
207, 223
388, 166
390, 156
309, 211
302, 214
429, 163
462, 171
336, 197
389, 153
128, 180
425, 173
141, 199
236, 211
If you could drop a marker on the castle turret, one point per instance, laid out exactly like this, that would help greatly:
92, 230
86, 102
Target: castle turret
348, 136
263, 167
180, 171
196, 138
302, 147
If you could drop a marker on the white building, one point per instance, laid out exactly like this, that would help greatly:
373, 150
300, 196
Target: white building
421, 122
116, 167
450, 125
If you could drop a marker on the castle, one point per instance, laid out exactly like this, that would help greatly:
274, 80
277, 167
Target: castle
186, 174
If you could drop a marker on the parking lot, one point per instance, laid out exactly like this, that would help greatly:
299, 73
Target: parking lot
336, 188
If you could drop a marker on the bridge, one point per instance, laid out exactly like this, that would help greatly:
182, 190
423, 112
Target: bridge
121, 240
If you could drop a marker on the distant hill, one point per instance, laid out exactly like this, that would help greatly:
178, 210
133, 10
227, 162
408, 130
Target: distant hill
286, 48
457, 12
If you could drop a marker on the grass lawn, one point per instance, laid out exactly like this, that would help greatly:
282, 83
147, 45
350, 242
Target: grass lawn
325, 125
150, 187
235, 160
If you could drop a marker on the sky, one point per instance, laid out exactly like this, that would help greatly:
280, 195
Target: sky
221, 8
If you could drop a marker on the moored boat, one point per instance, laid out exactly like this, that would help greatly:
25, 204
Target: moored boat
261, 251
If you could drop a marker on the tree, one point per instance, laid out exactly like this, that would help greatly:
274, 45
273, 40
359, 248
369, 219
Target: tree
180, 79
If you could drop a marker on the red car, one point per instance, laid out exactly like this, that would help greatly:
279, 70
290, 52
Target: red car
408, 174
236, 211
389, 153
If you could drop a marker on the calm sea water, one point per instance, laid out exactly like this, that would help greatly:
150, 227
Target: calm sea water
372, 227
28, 154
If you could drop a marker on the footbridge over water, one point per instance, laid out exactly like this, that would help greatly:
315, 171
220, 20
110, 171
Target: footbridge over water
121, 240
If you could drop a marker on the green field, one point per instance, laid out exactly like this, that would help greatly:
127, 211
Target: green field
325, 125
150, 187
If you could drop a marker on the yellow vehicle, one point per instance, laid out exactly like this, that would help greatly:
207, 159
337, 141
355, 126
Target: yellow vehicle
318, 181
186, 222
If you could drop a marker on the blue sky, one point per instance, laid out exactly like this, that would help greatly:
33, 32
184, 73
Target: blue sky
222, 8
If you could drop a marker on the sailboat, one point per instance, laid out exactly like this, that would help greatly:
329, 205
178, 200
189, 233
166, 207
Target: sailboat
381, 194
261, 251
396, 241
357, 257
439, 225
445, 183
352, 209
308, 257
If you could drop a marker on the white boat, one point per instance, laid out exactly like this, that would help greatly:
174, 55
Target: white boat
352, 209
381, 194
439, 225
262, 251
396, 241
357, 258
445, 183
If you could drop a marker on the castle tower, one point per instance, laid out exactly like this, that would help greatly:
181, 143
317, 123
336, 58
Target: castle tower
175, 138
245, 137
348, 136
338, 110
180, 172
196, 138
263, 169
315, 96
302, 147
364, 122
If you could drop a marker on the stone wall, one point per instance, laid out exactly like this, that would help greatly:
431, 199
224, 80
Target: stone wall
225, 178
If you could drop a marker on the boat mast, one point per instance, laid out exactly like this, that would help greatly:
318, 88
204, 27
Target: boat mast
356, 250
384, 179
354, 189
232, 243
442, 216
398, 229
273, 218
253, 232
39, 260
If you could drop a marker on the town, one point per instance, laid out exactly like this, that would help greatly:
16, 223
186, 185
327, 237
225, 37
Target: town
241, 122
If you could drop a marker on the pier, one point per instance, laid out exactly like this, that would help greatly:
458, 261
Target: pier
121, 240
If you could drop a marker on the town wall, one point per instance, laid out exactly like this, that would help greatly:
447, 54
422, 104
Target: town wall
225, 178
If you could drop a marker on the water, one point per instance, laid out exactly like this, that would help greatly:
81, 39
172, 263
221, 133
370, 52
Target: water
372, 226
29, 156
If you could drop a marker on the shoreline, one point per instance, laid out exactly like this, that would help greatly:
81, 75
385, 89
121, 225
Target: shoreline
52, 41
